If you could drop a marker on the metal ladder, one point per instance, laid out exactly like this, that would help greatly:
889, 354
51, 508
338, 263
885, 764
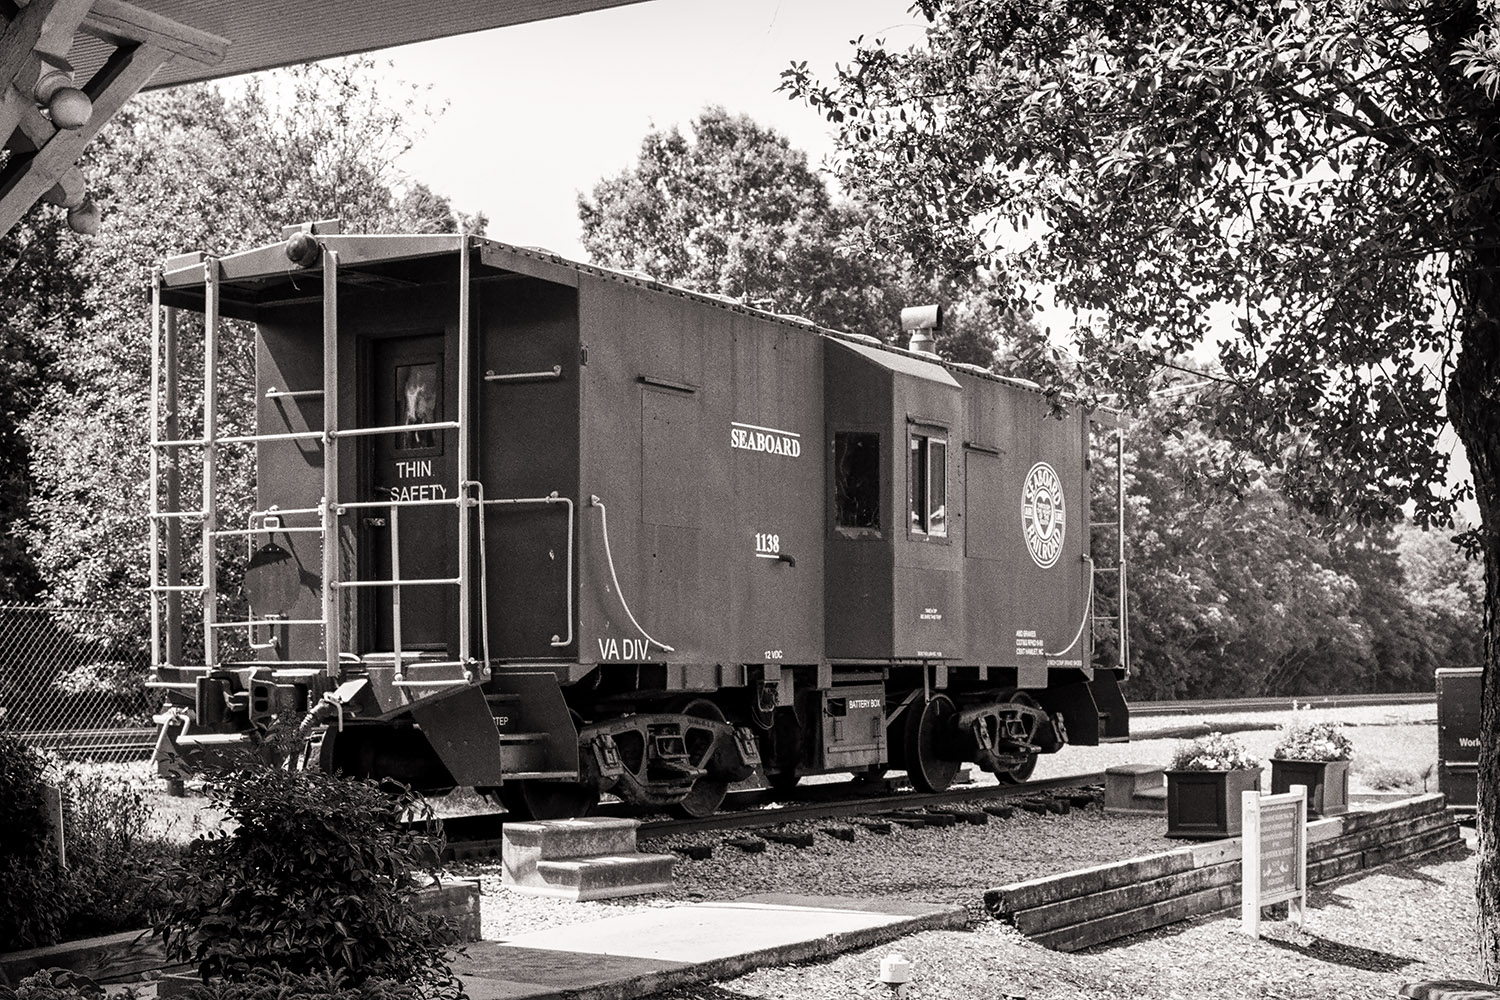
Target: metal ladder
166, 516
1121, 617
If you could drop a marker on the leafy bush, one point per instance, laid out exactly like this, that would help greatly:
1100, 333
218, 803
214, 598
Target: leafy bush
34, 902
278, 984
107, 884
22, 780
63, 984
258, 984
1213, 752
113, 852
1303, 740
315, 874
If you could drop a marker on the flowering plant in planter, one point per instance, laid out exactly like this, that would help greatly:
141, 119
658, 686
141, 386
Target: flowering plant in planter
1213, 752
1313, 741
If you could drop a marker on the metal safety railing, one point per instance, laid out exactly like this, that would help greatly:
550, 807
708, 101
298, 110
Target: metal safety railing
166, 516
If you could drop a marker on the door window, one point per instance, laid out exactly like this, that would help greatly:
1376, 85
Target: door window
417, 401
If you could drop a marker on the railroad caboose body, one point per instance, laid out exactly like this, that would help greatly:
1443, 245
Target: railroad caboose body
555, 531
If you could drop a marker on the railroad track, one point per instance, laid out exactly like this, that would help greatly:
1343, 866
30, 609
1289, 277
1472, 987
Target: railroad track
477, 837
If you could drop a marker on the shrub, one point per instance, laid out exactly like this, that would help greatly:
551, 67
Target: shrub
315, 874
278, 984
1302, 740
106, 885
22, 780
62, 984
34, 901
1213, 752
113, 852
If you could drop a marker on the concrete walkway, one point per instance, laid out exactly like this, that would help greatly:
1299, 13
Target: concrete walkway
652, 949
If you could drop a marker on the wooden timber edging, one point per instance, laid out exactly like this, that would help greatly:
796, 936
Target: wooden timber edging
1080, 909
130, 954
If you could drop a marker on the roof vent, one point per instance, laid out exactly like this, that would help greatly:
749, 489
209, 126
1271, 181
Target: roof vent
919, 320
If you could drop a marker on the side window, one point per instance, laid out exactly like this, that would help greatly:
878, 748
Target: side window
927, 486
856, 475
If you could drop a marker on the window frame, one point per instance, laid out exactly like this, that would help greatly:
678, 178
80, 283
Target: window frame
919, 519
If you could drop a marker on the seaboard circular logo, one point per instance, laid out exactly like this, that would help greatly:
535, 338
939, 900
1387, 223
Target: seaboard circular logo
1042, 515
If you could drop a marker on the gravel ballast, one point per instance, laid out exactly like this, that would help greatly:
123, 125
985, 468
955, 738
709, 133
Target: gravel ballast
1366, 933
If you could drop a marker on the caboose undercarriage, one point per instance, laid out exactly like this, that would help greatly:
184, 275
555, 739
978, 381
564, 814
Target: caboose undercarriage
430, 563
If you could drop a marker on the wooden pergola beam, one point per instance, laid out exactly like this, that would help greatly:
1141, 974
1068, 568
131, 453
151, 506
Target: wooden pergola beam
29, 176
43, 157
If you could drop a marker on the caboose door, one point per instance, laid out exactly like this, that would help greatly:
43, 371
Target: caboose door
412, 384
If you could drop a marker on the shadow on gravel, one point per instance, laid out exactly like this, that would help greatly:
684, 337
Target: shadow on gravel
1317, 900
1409, 869
1348, 955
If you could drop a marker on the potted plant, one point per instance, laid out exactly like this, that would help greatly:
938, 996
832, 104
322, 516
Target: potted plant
1204, 783
1315, 754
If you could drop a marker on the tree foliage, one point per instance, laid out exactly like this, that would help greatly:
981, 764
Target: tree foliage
733, 209
1236, 593
1306, 188
190, 168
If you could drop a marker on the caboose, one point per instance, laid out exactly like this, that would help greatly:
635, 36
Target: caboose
555, 531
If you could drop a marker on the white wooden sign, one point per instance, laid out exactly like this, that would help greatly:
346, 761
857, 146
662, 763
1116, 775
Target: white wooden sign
1274, 856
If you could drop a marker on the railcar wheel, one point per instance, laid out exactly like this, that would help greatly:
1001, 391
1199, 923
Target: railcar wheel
707, 793
1020, 774
525, 800
925, 735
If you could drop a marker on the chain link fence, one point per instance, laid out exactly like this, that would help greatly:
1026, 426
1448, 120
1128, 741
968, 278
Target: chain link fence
67, 685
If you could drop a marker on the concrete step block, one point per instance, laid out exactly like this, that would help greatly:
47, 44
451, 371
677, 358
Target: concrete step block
525, 843
601, 877
1135, 789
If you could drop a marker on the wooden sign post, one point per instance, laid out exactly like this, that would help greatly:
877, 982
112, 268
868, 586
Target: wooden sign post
1274, 856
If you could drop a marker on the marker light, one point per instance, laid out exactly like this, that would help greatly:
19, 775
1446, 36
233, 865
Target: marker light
303, 250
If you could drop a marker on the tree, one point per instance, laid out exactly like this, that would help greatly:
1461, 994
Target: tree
189, 168
39, 285
1321, 172
733, 209
1236, 593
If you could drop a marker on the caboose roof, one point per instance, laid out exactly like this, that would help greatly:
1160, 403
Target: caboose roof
255, 281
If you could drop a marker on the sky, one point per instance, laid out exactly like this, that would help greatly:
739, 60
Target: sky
538, 113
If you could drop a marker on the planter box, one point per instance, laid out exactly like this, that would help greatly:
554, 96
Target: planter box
1206, 805
1327, 783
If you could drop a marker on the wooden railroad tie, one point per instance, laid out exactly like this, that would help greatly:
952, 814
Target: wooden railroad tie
787, 837
973, 817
